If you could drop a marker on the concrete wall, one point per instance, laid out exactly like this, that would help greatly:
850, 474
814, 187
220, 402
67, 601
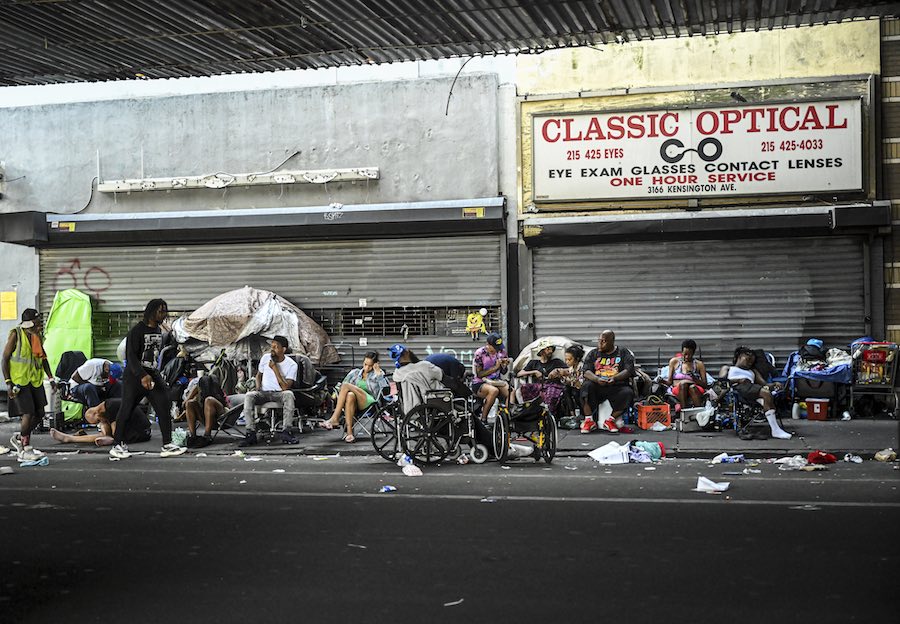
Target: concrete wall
398, 126
833, 50
19, 272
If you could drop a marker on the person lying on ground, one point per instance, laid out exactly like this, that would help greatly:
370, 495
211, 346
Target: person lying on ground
748, 383
137, 428
358, 391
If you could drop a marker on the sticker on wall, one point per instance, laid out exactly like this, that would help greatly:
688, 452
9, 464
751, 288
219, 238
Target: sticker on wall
8, 306
364, 342
362, 303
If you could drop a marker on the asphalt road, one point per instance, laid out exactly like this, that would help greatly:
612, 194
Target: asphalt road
221, 539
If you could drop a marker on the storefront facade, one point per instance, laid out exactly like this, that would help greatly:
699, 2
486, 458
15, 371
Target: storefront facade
721, 190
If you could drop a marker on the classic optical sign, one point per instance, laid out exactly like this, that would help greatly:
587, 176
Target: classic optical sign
761, 149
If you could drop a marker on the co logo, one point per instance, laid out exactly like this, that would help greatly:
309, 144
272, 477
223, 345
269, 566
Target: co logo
672, 151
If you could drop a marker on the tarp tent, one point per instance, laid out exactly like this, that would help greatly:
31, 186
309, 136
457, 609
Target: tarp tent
243, 321
68, 328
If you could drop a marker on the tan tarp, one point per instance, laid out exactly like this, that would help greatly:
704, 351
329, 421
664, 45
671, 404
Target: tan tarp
248, 312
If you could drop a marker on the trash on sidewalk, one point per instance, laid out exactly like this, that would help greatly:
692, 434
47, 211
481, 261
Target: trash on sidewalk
570, 467
658, 426
3, 450
610, 453
238, 454
4, 417
43, 461
725, 458
324, 457
252, 458
278, 470
814, 467
886, 455
791, 463
655, 450
75, 452
360, 546
853, 459
179, 437
454, 603
752, 471
637, 456
411, 470
387, 488
708, 486
821, 457
405, 460
488, 499
201, 455
6, 470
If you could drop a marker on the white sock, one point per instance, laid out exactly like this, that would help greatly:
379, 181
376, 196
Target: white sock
777, 432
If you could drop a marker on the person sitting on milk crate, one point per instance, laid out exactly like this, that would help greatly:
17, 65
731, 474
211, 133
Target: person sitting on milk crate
608, 370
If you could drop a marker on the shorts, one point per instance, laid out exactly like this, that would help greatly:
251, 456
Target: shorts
30, 400
749, 392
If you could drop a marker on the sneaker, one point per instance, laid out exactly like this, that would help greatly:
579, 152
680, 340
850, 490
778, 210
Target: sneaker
16, 442
588, 425
202, 442
191, 441
119, 451
287, 437
171, 450
249, 440
29, 454
609, 425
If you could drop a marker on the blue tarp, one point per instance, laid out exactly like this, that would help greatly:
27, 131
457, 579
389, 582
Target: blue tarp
842, 373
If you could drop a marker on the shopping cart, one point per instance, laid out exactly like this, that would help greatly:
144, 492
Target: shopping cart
875, 374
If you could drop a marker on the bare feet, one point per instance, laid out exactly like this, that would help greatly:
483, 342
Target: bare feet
327, 425
104, 441
59, 436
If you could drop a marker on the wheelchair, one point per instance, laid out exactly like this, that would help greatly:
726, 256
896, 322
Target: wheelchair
444, 427
534, 422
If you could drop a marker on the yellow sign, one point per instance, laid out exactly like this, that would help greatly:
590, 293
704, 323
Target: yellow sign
8, 306
473, 212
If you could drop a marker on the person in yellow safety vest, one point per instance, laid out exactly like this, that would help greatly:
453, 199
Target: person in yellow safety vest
24, 367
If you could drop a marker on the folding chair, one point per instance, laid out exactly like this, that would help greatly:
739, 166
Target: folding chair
227, 423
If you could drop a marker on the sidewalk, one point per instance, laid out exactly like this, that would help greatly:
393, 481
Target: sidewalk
859, 437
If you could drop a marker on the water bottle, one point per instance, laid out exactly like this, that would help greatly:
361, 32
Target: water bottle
795, 411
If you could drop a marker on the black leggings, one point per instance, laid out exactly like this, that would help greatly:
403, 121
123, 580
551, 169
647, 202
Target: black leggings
132, 393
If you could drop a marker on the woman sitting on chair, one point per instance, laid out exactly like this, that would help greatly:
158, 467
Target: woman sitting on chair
358, 391
545, 372
748, 383
687, 376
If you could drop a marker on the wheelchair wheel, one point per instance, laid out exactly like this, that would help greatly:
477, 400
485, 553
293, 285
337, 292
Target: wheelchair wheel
500, 435
547, 437
427, 434
384, 434
479, 453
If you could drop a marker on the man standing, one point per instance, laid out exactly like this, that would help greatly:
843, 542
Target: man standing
274, 378
24, 367
608, 370
90, 382
142, 379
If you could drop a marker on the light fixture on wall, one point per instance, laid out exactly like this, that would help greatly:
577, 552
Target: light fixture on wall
222, 180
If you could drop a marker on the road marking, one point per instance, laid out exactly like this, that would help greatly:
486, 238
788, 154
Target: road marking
705, 500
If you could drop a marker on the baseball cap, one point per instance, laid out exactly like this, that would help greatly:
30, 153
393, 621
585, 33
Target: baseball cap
29, 316
494, 339
396, 350
543, 344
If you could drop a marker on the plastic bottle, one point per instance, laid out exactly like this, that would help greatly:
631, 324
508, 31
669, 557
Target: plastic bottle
795, 411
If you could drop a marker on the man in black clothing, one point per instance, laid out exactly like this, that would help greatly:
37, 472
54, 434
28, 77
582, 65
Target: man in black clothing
142, 379
608, 370
454, 373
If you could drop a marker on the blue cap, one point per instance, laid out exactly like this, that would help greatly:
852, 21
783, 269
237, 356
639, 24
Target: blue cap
815, 342
115, 371
396, 350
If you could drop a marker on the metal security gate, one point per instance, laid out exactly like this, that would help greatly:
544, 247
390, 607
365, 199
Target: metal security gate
766, 294
365, 293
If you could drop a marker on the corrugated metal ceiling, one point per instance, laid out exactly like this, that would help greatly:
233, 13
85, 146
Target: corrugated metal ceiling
50, 41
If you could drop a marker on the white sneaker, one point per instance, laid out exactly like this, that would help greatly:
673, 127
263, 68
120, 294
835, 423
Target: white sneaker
29, 454
171, 450
120, 451
16, 442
